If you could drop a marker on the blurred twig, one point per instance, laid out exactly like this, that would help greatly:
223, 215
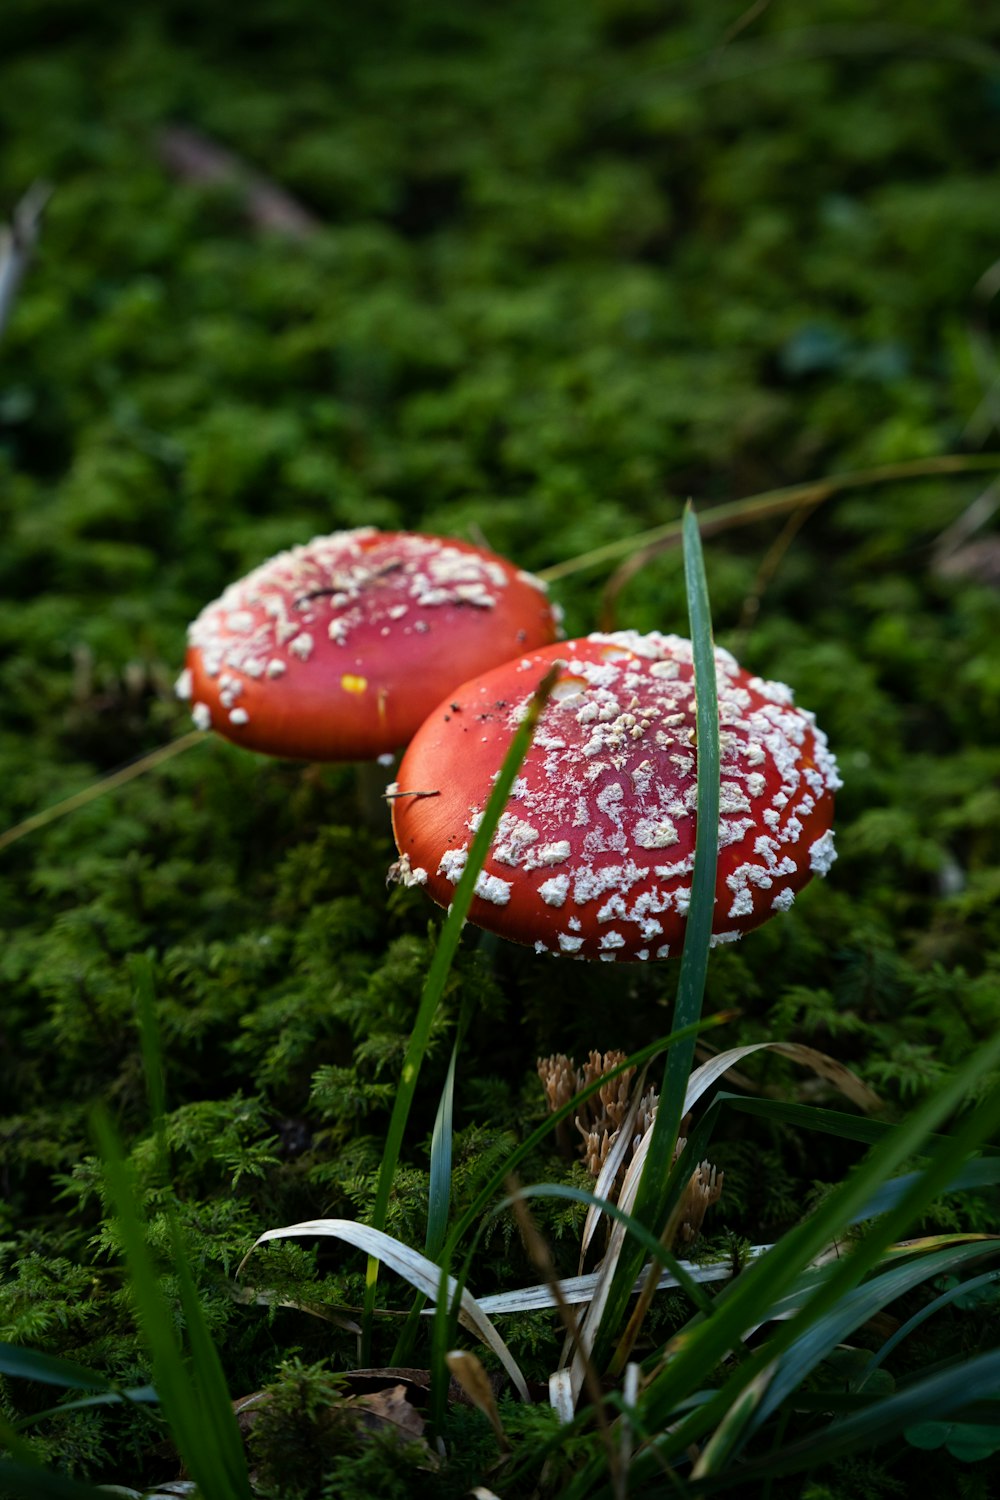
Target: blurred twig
194, 157
17, 242
107, 784
641, 546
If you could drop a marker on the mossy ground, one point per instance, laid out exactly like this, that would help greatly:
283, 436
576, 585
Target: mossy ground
575, 263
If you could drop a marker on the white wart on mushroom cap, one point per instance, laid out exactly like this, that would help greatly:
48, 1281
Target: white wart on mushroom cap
338, 649
595, 850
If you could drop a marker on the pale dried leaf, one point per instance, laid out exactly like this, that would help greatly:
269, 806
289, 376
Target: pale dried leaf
562, 1396
827, 1067
612, 1165
415, 1268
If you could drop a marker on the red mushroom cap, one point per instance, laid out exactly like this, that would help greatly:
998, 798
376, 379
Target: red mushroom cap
595, 850
338, 650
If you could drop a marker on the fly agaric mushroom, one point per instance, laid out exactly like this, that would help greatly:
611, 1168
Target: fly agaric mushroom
594, 851
337, 650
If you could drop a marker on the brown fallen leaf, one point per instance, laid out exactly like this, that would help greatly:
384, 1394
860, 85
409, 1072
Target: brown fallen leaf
390, 1409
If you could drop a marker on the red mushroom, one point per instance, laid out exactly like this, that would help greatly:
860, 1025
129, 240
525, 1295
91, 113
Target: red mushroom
337, 650
594, 852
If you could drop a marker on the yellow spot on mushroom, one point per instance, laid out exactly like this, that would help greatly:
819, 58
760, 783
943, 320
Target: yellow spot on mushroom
352, 684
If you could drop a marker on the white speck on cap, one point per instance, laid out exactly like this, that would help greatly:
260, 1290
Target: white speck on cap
202, 715
549, 854
452, 864
182, 687
655, 833
822, 853
742, 903
492, 888
554, 892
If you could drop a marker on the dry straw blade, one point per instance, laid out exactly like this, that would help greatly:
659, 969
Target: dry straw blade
422, 1274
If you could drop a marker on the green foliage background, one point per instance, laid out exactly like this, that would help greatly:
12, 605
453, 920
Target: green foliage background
574, 263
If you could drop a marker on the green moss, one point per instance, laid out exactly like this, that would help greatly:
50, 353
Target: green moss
574, 264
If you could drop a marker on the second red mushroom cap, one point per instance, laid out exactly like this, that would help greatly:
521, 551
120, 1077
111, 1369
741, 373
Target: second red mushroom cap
338, 649
595, 850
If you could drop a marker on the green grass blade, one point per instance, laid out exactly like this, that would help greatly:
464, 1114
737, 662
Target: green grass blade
652, 1198
139, 1395
198, 1409
437, 976
30, 1482
438, 1198
828, 1121
747, 1302
962, 1289
855, 1308
28, 1364
439, 1188
938, 1395
983, 1171
141, 972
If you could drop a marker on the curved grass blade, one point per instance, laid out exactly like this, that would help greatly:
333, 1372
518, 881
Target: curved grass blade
29, 1364
437, 975
814, 1117
744, 1304
988, 1278
415, 1268
853, 1309
822, 1064
139, 1395
30, 1482
947, 1391
752, 1295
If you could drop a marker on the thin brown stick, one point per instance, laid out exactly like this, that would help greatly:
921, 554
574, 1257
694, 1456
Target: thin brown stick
98, 788
541, 1257
768, 503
